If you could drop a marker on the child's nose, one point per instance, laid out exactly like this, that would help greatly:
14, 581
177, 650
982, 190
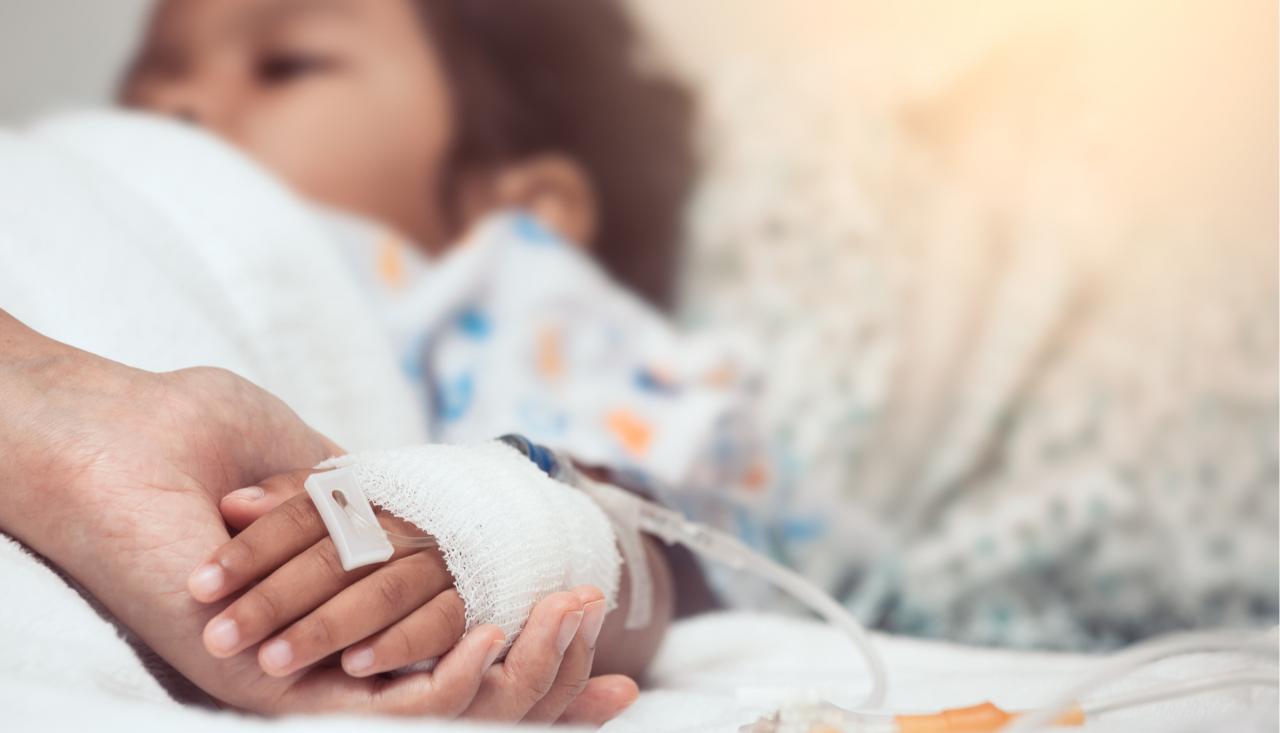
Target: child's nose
184, 100
203, 97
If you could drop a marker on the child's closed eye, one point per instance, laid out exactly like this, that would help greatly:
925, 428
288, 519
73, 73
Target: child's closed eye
283, 67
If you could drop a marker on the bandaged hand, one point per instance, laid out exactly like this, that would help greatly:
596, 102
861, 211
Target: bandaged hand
302, 607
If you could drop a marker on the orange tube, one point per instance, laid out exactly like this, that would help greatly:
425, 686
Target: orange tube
982, 718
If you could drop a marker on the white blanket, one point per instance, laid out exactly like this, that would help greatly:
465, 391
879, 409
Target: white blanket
160, 248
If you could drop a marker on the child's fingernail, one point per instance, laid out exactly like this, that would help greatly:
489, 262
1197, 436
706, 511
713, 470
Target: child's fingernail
250, 493
222, 635
568, 627
494, 650
358, 660
206, 580
592, 622
277, 654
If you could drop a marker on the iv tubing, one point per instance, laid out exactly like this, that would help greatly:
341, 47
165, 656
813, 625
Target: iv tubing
400, 540
672, 527
1250, 642
1182, 689
834, 614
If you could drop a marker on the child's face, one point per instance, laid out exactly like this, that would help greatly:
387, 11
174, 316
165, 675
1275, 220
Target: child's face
345, 99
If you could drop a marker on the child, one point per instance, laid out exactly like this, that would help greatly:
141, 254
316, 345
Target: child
423, 116
430, 119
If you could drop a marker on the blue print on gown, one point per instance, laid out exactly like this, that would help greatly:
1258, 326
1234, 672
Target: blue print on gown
411, 360
542, 419
453, 397
646, 380
528, 228
474, 324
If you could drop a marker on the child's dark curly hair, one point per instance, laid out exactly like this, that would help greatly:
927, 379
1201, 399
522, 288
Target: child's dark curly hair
567, 76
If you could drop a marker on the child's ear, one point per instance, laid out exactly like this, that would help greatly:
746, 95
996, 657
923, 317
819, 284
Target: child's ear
554, 189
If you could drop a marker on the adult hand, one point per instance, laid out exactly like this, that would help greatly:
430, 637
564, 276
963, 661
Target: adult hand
114, 474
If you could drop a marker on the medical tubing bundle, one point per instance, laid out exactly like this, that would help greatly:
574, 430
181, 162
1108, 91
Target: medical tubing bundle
1071, 709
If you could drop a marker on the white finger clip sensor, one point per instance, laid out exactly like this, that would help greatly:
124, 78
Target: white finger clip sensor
349, 518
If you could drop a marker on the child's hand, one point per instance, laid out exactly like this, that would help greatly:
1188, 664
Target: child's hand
406, 608
395, 614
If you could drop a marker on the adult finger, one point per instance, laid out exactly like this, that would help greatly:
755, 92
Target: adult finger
575, 669
512, 688
424, 634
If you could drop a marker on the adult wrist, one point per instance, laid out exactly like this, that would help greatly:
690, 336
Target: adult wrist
19, 344
31, 365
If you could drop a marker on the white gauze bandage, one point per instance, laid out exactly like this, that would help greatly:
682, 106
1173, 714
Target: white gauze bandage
510, 535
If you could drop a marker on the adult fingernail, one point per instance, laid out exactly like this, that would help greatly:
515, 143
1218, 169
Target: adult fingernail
277, 654
206, 580
222, 635
568, 627
359, 659
592, 622
250, 493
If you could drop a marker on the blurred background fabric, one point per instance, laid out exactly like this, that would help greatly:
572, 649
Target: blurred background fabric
1012, 267
1033, 250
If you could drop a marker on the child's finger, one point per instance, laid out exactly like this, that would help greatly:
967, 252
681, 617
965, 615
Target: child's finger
601, 701
450, 688
264, 546
243, 507
365, 607
575, 669
428, 632
445, 691
512, 688
292, 591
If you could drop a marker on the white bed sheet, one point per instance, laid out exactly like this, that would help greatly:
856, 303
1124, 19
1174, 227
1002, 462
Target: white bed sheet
719, 671
68, 670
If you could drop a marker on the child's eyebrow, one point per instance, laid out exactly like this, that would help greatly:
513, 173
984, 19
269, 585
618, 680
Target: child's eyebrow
267, 16
261, 19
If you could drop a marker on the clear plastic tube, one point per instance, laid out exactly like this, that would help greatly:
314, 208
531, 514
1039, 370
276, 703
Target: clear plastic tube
1243, 678
1242, 642
672, 527
395, 538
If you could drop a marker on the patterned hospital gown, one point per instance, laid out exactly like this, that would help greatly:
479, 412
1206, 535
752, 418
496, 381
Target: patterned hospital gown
1058, 500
